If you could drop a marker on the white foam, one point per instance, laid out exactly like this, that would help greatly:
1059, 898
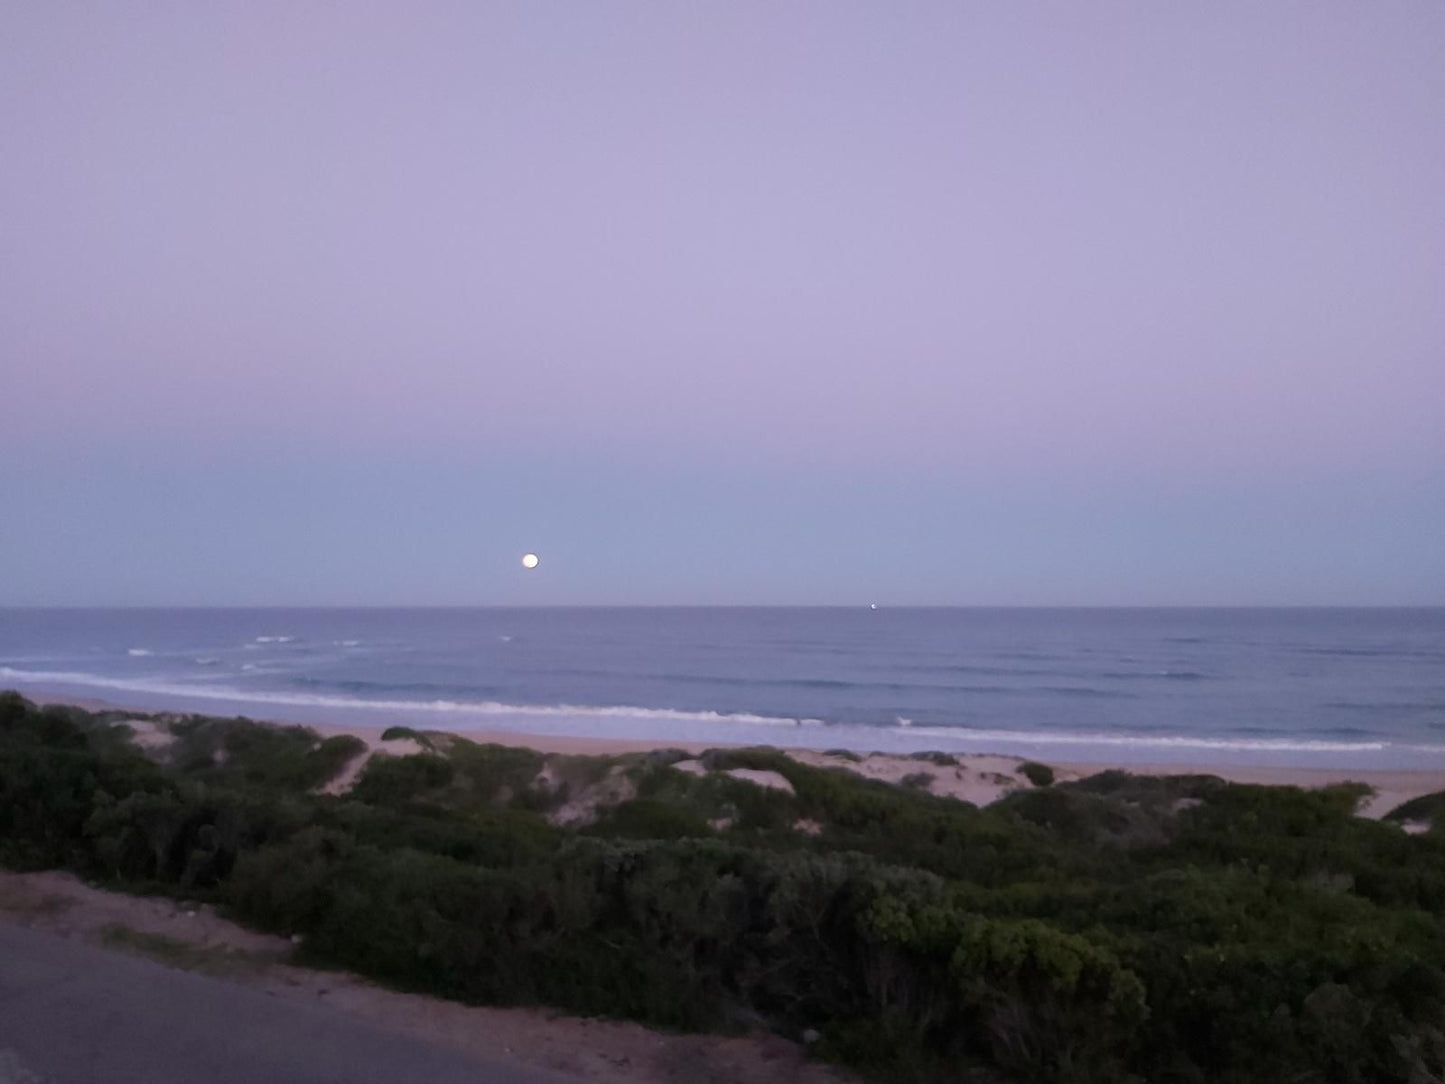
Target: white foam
492, 709
1157, 741
139, 652
316, 700
207, 660
347, 643
275, 639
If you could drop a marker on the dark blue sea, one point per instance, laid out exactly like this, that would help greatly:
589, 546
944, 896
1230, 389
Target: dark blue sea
1321, 687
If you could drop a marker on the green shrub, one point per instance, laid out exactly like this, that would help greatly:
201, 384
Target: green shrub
649, 818
943, 760
1427, 807
242, 752
406, 733
393, 781
497, 774
1118, 928
1040, 775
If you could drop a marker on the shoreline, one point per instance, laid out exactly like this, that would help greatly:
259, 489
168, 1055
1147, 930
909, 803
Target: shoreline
1096, 741
1392, 786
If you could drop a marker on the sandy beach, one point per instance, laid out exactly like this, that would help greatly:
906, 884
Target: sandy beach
979, 778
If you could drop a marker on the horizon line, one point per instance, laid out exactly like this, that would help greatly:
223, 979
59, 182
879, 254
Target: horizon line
736, 606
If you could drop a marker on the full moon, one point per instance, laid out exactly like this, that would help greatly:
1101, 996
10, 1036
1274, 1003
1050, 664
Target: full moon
530, 560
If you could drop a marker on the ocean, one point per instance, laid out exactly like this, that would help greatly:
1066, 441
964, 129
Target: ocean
1311, 687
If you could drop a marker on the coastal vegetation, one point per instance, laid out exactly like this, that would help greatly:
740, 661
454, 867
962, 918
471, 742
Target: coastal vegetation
1040, 775
1118, 928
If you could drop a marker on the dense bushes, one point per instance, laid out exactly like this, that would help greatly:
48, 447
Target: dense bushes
1121, 928
238, 751
1427, 807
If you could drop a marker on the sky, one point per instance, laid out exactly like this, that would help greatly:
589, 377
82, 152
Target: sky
754, 303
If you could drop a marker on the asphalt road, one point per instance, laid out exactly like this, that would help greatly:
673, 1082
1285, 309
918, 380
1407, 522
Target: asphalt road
72, 1013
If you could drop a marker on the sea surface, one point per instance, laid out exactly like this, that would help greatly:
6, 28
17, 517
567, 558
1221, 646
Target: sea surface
1326, 687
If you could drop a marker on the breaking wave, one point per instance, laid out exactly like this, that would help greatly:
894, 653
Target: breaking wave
482, 708
1164, 741
492, 709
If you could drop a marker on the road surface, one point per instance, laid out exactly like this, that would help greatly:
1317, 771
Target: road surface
72, 1013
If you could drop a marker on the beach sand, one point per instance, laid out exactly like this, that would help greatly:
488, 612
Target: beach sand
979, 778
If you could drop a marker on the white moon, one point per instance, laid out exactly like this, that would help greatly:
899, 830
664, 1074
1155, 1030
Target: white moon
530, 560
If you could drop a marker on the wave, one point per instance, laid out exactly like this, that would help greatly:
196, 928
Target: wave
1079, 672
1165, 741
848, 684
983, 671
485, 708
139, 652
1156, 675
1371, 652
275, 640
363, 689
207, 660
1385, 705
491, 709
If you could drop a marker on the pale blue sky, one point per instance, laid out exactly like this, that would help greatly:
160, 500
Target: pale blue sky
931, 303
